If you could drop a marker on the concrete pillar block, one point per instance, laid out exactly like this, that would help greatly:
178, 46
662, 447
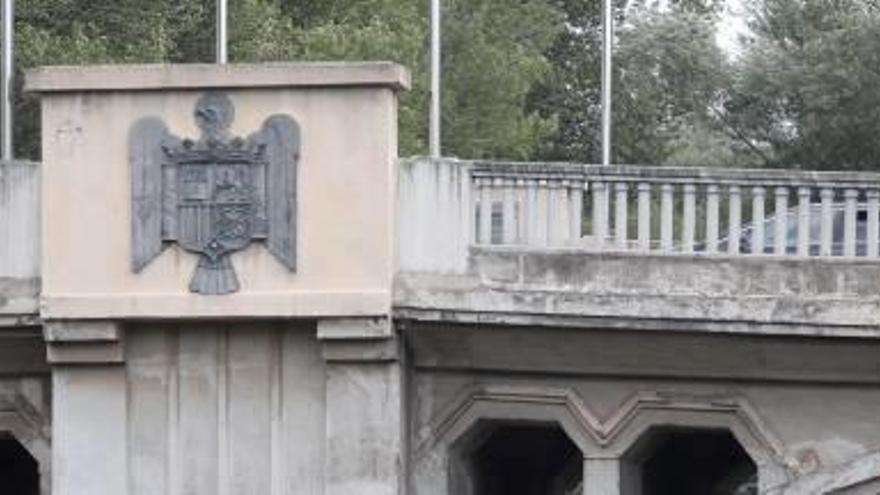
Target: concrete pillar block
364, 432
602, 476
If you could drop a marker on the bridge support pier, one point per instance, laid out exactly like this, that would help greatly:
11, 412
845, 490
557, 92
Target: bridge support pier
364, 432
602, 476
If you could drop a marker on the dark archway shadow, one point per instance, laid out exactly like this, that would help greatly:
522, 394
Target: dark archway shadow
19, 471
517, 458
681, 461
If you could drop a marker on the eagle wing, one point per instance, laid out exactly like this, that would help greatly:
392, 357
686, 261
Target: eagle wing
280, 135
146, 155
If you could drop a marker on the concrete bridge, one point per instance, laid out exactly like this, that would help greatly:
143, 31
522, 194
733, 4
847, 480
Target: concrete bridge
452, 327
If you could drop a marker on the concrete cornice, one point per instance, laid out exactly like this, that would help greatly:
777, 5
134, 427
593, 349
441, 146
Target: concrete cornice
84, 342
55, 79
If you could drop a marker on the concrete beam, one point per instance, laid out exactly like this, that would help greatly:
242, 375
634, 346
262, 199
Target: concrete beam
204, 76
84, 342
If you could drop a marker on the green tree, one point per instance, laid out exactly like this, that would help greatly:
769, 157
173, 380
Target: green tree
570, 94
73, 32
494, 55
341, 30
493, 49
806, 87
671, 78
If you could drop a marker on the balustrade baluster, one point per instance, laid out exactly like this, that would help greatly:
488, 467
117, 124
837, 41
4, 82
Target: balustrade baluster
575, 210
758, 194
543, 213
531, 213
621, 207
803, 229
600, 213
485, 186
520, 210
551, 219
689, 219
712, 218
644, 219
734, 219
849, 221
872, 239
508, 218
827, 221
666, 216
559, 212
780, 222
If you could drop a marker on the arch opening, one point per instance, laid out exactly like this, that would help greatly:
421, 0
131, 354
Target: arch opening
516, 458
681, 461
19, 471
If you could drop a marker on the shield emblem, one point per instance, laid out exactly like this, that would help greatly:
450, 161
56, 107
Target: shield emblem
216, 207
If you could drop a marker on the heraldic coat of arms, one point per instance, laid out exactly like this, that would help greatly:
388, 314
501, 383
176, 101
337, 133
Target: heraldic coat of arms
215, 195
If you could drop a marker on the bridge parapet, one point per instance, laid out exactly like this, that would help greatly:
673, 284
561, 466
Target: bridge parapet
773, 251
19, 242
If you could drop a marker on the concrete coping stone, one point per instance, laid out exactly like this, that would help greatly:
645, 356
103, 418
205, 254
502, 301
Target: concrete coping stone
126, 77
661, 174
18, 163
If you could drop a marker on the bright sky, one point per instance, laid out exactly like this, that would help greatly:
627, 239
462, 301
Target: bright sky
731, 26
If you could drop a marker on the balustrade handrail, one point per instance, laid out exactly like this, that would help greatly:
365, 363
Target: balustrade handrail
449, 203
674, 175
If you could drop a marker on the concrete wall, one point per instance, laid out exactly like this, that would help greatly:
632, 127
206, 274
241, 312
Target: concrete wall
223, 409
19, 242
805, 431
572, 288
346, 188
291, 385
26, 396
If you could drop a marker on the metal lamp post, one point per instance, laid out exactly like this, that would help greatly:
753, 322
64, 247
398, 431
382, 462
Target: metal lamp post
220, 30
608, 35
6, 81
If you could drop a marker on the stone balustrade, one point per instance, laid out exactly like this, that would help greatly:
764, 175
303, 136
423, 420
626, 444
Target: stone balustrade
658, 210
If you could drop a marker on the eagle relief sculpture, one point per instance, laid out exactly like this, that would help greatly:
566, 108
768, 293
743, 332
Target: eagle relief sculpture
214, 195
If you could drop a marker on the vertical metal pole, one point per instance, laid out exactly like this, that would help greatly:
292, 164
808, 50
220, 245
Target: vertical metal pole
220, 30
8, 15
434, 124
607, 45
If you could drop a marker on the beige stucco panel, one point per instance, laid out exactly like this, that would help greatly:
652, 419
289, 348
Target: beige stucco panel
346, 181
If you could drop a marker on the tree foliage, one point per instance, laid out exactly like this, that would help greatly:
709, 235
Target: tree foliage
521, 78
807, 85
494, 53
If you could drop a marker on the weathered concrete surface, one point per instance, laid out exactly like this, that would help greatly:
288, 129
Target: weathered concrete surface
89, 455
19, 301
292, 385
216, 408
860, 476
346, 179
60, 79
365, 409
480, 348
744, 344
19, 219
25, 414
792, 431
19, 243
685, 293
198, 408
